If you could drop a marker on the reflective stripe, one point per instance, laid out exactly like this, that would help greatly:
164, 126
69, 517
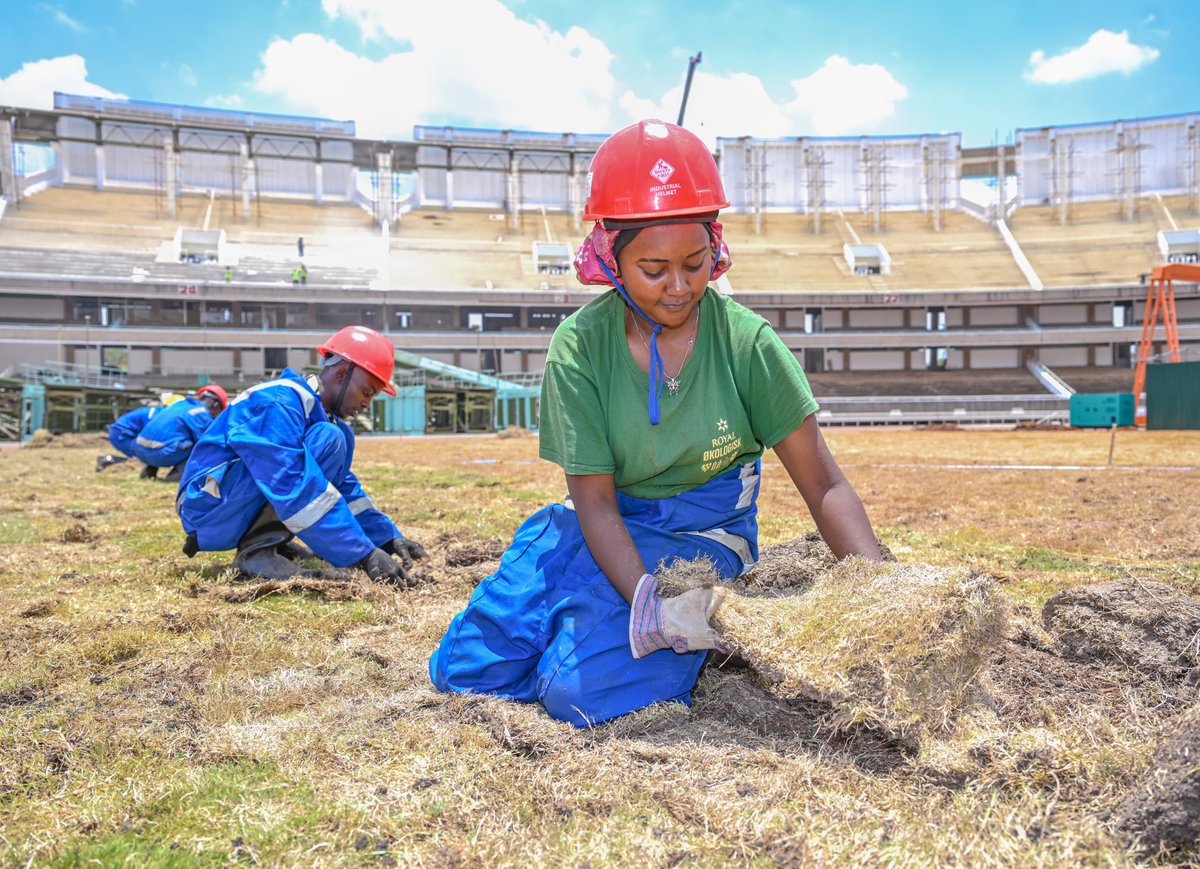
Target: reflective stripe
305, 396
196, 410
210, 487
151, 413
749, 482
316, 508
739, 546
359, 505
149, 444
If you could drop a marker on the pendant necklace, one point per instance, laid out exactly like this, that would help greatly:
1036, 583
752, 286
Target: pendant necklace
672, 383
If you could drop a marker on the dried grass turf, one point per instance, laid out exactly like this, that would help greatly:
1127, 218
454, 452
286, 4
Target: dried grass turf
891, 647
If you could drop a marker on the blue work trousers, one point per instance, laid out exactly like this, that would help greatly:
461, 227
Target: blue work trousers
161, 457
122, 441
548, 626
223, 524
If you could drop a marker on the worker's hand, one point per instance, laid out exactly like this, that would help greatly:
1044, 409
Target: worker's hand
404, 549
678, 623
381, 567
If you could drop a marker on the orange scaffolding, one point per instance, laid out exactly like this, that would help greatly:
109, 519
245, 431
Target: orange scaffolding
1160, 299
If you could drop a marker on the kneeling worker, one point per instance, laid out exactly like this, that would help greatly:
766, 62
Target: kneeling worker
122, 434
276, 464
167, 439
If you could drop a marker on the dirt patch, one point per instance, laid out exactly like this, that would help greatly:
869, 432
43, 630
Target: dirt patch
40, 608
515, 431
1139, 624
77, 533
325, 589
1161, 813
43, 438
470, 554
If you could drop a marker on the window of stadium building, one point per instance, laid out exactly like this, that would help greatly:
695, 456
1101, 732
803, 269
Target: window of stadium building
217, 314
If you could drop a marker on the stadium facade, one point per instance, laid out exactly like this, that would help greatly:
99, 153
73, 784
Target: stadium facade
164, 242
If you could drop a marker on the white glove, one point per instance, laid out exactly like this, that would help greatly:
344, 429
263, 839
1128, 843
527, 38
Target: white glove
678, 623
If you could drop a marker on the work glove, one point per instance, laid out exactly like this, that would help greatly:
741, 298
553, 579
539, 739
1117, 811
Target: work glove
404, 549
381, 567
677, 623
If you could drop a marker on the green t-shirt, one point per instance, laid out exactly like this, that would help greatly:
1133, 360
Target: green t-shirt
741, 391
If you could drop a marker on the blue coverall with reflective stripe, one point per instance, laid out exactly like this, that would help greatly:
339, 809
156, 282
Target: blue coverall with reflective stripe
168, 438
123, 433
275, 444
548, 627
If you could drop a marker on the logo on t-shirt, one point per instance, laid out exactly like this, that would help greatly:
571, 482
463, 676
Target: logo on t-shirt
726, 447
662, 171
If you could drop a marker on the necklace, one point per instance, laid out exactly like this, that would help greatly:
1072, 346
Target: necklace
672, 382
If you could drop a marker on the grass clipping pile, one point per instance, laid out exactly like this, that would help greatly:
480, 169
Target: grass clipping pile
897, 648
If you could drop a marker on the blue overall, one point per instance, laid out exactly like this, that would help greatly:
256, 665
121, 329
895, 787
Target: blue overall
168, 438
549, 627
276, 444
123, 433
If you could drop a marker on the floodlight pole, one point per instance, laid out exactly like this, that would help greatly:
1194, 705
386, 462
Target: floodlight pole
693, 62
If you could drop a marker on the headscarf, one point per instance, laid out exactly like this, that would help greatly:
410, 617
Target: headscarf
596, 264
597, 248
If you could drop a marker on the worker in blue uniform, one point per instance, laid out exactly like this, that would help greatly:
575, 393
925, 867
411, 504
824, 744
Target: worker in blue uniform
122, 434
276, 465
167, 439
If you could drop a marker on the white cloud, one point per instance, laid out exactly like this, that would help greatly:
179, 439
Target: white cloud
733, 105
838, 99
501, 71
1104, 52
34, 84
497, 69
843, 97
62, 17
187, 75
225, 101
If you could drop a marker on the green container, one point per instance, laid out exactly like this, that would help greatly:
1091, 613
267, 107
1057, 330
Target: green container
1102, 410
1173, 396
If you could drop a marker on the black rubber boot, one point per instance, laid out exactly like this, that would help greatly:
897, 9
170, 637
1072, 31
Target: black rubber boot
176, 473
150, 472
295, 550
257, 552
107, 460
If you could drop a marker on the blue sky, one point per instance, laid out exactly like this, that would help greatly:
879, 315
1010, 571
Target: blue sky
769, 68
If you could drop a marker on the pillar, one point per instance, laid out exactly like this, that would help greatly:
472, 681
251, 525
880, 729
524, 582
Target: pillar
99, 167
8, 171
514, 193
247, 180
169, 164
385, 208
319, 181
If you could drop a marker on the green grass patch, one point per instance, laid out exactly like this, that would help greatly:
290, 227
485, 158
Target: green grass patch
17, 529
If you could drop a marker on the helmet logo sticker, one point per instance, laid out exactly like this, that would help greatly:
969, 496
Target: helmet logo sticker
662, 171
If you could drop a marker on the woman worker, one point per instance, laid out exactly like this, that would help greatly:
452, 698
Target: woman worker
658, 401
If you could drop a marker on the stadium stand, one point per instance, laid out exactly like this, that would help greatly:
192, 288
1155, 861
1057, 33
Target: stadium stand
90, 270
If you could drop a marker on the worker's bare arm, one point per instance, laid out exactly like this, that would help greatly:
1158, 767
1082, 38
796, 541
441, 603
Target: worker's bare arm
595, 499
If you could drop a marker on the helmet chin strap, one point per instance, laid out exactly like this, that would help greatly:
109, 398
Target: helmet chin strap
657, 374
656, 361
337, 407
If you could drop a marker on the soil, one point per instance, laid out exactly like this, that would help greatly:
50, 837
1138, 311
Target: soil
78, 533
1138, 624
1161, 813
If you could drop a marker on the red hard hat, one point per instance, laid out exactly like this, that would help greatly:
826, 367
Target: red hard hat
367, 349
214, 390
651, 170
